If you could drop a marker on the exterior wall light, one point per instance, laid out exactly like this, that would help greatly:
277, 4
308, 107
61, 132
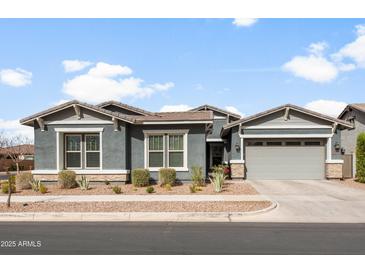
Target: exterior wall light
237, 147
337, 146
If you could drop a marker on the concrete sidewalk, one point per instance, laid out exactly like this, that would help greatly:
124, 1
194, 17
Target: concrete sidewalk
135, 198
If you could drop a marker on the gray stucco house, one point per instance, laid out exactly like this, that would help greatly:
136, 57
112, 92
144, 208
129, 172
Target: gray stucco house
354, 114
107, 141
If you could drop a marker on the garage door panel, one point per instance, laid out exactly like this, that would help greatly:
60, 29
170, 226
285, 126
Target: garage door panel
284, 162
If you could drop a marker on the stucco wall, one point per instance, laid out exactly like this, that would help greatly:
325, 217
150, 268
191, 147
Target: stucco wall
196, 146
349, 136
113, 144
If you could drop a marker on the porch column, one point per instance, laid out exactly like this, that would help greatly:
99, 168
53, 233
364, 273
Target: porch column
329, 149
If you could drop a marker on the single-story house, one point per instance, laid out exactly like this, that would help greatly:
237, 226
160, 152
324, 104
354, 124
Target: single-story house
107, 141
27, 152
354, 114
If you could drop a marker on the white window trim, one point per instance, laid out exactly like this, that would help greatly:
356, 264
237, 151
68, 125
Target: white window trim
261, 136
79, 130
68, 151
82, 171
85, 151
148, 133
147, 151
184, 151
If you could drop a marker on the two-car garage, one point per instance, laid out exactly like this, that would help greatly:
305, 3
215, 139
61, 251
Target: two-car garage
284, 159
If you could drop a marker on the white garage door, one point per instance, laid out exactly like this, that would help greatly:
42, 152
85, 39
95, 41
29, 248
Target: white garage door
285, 162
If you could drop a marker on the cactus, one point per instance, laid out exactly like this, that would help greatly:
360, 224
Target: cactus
84, 183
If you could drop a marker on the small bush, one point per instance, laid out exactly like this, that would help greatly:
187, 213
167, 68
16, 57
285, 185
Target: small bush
43, 189
150, 189
5, 187
140, 177
67, 179
360, 158
197, 175
192, 188
117, 189
168, 187
23, 180
35, 184
84, 183
167, 176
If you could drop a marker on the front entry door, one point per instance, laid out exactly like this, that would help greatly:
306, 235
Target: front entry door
216, 154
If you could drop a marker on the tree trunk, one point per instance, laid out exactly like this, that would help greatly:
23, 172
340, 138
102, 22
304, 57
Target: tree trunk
9, 196
10, 186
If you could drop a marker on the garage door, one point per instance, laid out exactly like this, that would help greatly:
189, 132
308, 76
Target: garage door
285, 162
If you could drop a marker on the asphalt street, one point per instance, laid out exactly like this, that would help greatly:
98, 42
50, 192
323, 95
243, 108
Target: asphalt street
180, 238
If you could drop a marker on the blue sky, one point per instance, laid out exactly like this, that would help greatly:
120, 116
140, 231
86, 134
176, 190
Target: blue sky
249, 65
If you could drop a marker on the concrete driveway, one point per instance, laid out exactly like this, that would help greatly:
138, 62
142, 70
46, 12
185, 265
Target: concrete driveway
311, 201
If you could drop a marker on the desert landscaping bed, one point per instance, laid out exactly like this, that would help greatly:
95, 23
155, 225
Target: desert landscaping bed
245, 206
229, 188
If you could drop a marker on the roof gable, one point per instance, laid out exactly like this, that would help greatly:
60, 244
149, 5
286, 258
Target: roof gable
284, 109
216, 109
358, 106
76, 105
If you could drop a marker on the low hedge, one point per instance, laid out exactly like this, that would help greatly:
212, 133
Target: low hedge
67, 179
167, 176
140, 177
24, 180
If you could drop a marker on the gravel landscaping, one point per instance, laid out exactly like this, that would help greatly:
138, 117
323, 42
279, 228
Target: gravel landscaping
137, 207
229, 188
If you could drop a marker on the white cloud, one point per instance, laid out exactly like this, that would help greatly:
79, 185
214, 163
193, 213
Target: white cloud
75, 65
244, 22
100, 83
354, 51
13, 127
234, 110
360, 30
15, 77
317, 48
172, 108
106, 70
328, 107
313, 68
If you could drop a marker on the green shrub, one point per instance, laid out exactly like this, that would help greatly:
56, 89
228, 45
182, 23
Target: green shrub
197, 175
167, 176
140, 177
84, 183
117, 189
42, 188
150, 189
67, 179
35, 184
23, 180
192, 188
5, 187
360, 158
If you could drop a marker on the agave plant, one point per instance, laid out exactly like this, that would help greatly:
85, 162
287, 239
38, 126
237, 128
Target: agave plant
83, 183
218, 180
36, 185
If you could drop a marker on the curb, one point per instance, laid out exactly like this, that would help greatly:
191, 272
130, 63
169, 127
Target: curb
130, 216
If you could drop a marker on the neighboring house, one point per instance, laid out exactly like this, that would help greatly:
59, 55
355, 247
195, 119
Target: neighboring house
6, 163
354, 114
107, 141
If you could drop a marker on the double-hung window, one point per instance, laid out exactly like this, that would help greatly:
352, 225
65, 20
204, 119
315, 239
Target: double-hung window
73, 151
156, 151
176, 150
82, 151
166, 150
92, 151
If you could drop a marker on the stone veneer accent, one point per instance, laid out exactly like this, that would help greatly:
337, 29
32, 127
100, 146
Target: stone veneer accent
91, 177
334, 171
237, 170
